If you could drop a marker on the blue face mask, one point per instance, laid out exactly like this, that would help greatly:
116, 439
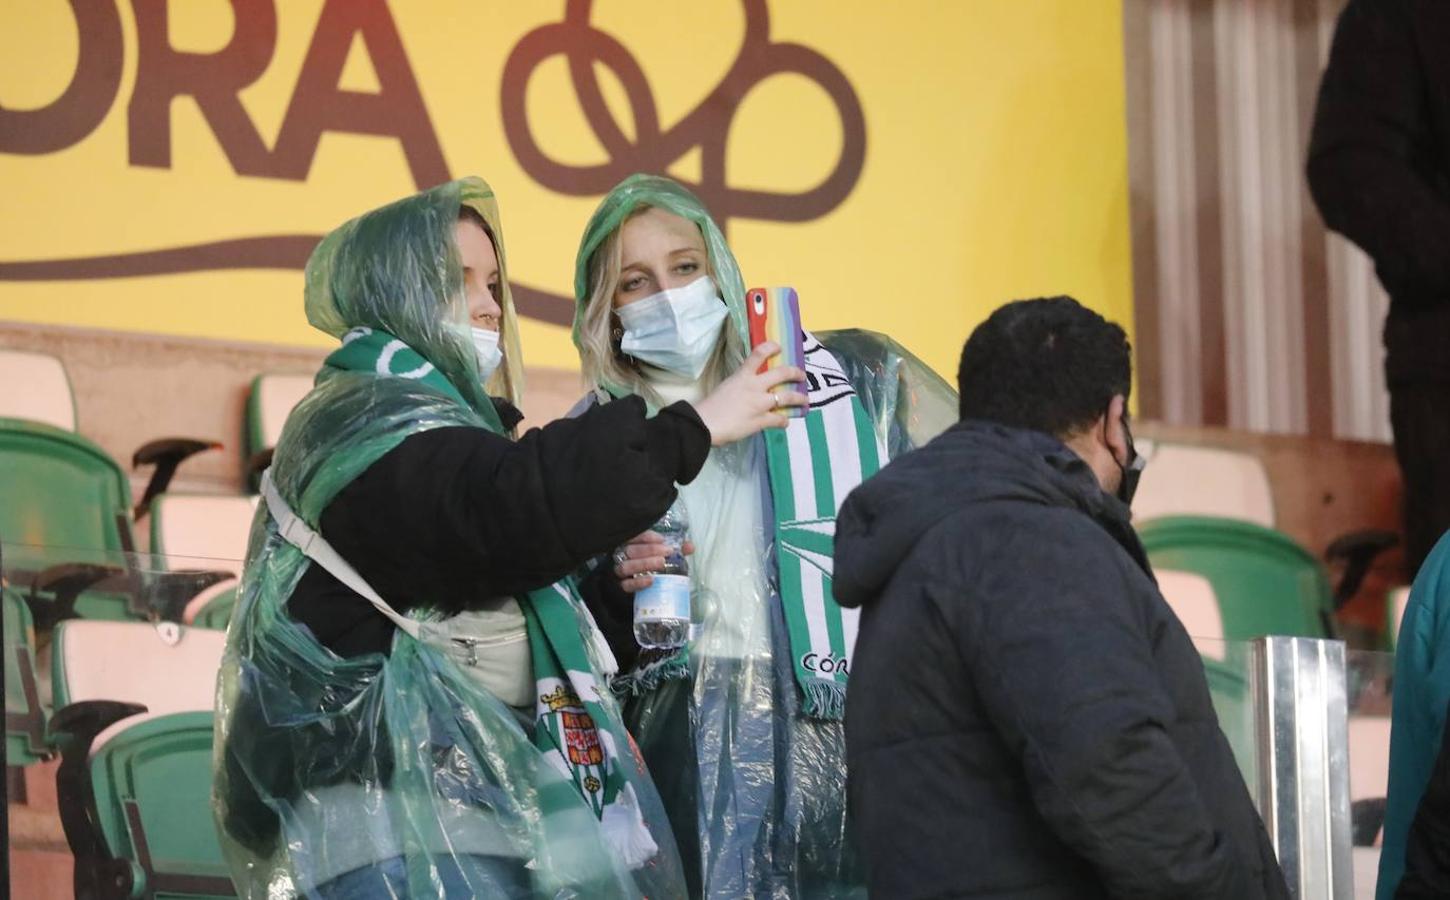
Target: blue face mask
675, 329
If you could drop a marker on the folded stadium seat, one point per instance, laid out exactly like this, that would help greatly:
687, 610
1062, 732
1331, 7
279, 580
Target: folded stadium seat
1192, 599
134, 722
25, 740
198, 531
1369, 772
204, 532
47, 397
1395, 605
1192, 480
1188, 480
1265, 583
270, 401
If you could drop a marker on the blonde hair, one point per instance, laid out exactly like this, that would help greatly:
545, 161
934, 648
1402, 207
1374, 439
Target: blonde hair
604, 364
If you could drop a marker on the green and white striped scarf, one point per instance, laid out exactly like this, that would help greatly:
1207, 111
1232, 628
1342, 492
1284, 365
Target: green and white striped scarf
578, 732
813, 463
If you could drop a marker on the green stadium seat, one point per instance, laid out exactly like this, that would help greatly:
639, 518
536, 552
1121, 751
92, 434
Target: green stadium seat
25, 740
1265, 583
61, 490
67, 532
65, 524
212, 608
134, 724
48, 399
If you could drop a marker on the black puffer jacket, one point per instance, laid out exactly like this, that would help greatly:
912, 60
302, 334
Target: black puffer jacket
1027, 718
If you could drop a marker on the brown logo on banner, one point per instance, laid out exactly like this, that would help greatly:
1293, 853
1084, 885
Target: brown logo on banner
707, 126
397, 110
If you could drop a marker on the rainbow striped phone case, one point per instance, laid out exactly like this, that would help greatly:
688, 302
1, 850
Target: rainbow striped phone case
774, 314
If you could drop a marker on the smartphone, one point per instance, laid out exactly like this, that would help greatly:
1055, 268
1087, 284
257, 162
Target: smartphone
774, 314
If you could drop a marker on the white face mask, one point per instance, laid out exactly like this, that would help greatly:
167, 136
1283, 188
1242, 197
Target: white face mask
675, 329
485, 344
485, 348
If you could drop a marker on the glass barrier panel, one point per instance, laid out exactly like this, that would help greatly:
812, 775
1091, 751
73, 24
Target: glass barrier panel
1228, 666
57, 583
1369, 677
1240, 678
110, 666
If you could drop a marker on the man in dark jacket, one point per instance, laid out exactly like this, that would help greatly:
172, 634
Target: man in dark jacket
1379, 169
1027, 718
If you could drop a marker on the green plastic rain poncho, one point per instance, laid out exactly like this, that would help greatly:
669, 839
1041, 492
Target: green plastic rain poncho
325, 764
743, 733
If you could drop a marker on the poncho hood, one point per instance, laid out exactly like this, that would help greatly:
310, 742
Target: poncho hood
639, 191
396, 269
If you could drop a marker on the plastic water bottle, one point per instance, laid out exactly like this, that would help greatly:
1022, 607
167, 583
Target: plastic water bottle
662, 610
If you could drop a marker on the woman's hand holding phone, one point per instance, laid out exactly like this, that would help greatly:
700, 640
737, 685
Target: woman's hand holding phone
745, 404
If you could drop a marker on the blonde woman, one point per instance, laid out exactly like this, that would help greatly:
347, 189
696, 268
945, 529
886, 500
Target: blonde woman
741, 729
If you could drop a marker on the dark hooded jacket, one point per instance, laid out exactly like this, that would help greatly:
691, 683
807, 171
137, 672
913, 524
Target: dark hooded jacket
1027, 718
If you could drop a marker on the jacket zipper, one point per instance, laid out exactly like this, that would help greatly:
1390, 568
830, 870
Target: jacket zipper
471, 645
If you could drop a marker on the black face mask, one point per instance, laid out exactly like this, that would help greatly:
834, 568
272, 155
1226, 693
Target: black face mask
1133, 470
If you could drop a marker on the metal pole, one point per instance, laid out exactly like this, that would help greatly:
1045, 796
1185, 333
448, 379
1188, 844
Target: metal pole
1303, 742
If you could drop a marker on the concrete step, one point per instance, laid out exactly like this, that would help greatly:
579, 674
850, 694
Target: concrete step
41, 866
40, 874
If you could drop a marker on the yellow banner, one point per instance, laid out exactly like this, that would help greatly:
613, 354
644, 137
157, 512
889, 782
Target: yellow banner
166, 166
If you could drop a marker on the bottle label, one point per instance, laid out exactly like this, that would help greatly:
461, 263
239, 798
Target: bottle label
667, 599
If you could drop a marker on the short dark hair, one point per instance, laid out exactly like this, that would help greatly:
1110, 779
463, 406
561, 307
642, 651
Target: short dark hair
1049, 364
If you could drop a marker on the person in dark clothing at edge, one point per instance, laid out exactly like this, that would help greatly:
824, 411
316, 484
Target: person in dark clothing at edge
1379, 170
1028, 719
1427, 849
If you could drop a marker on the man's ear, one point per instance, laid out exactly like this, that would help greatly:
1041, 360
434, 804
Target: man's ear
1115, 432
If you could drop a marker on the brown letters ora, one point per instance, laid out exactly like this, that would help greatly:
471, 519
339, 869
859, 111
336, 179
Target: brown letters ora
214, 80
